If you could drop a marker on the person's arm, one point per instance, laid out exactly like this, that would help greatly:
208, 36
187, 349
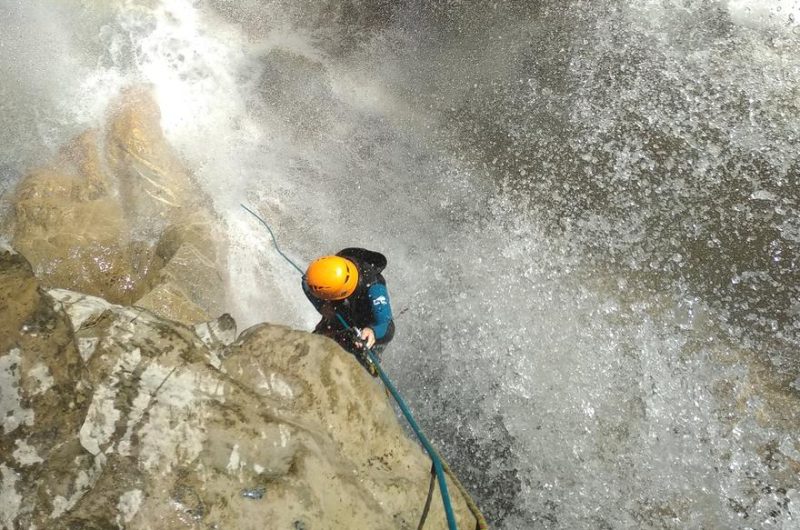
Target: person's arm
381, 309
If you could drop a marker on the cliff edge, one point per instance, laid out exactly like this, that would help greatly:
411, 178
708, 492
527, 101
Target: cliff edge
114, 417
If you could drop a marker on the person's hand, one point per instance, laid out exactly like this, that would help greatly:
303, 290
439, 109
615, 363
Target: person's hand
368, 336
327, 311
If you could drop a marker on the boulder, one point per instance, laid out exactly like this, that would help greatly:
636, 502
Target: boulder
114, 417
72, 229
153, 184
115, 214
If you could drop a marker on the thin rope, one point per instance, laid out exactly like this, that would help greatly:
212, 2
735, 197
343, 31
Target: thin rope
274, 239
428, 500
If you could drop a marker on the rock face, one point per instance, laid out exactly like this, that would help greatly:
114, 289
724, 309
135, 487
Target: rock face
156, 416
116, 215
114, 417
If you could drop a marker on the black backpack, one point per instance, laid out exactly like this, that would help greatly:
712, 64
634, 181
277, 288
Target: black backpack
370, 265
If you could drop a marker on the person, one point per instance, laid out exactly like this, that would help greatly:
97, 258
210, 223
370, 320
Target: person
350, 284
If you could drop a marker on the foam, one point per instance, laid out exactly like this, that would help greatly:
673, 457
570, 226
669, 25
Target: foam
780, 15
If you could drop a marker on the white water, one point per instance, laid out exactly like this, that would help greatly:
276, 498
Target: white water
565, 393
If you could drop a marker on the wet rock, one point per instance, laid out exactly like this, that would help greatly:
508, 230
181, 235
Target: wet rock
114, 417
189, 287
115, 214
40, 403
217, 334
152, 182
70, 227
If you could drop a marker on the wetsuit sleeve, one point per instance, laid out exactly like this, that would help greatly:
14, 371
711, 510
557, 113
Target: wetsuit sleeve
381, 309
311, 298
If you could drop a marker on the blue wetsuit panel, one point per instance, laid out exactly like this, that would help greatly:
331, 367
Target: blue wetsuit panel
381, 309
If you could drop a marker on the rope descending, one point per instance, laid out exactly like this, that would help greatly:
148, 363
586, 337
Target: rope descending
428, 500
439, 466
274, 239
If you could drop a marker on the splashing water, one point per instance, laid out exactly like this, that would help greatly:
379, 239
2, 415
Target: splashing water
590, 211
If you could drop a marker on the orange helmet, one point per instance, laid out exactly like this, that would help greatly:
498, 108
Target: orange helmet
332, 277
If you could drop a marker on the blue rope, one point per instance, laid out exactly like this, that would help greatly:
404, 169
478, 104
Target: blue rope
274, 239
437, 463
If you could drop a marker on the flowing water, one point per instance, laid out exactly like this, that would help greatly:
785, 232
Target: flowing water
591, 212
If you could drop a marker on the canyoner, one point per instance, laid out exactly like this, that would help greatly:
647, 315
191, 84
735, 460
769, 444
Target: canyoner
349, 288
350, 285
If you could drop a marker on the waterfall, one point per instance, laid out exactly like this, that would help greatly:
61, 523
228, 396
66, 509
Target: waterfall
590, 211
